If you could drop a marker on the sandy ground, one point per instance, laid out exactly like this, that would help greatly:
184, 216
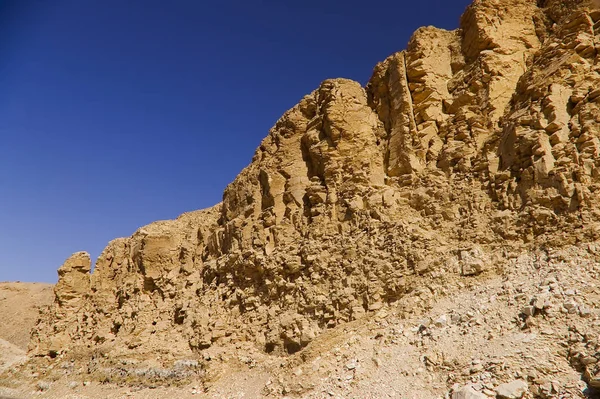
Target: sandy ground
19, 309
10, 355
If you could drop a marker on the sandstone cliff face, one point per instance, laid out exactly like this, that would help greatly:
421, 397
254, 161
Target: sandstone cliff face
467, 142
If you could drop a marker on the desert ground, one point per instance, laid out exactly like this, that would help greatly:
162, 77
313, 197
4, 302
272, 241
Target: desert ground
434, 233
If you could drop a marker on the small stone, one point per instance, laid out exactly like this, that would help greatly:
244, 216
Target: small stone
473, 262
467, 392
584, 311
441, 321
532, 374
86, 383
594, 382
512, 390
528, 310
43, 386
476, 368
541, 302
570, 307
543, 388
73, 384
587, 360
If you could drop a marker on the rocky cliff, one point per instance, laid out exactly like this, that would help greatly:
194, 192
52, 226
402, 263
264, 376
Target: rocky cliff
468, 145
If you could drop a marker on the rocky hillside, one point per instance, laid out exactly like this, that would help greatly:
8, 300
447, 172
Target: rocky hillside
20, 304
467, 150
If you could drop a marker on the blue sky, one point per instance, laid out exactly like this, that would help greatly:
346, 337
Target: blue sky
117, 113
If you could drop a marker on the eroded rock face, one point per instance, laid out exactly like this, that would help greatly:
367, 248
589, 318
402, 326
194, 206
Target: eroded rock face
466, 142
73, 281
72, 291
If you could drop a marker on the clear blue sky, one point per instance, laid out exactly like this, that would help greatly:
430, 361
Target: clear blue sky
117, 113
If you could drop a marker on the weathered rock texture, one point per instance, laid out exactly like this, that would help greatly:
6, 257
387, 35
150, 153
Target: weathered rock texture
468, 142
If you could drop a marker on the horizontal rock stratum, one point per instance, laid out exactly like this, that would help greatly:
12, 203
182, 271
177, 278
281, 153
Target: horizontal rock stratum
467, 143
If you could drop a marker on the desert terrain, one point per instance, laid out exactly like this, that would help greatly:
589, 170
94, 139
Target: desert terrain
433, 234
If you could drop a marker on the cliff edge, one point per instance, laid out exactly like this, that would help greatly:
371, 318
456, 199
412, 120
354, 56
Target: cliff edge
465, 149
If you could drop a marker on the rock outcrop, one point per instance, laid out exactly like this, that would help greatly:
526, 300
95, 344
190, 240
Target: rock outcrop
468, 142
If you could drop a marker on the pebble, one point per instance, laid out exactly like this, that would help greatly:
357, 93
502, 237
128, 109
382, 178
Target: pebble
476, 368
584, 311
589, 360
547, 331
512, 390
570, 306
467, 392
441, 321
43, 386
528, 310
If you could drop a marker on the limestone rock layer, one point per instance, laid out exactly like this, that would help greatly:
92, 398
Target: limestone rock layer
467, 142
